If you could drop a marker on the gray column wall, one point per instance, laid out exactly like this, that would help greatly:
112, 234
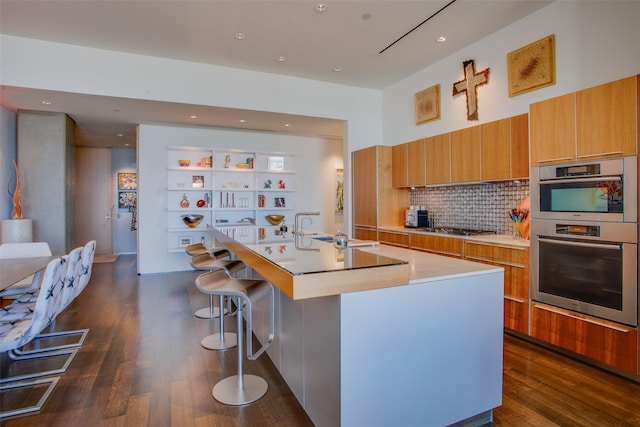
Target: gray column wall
46, 158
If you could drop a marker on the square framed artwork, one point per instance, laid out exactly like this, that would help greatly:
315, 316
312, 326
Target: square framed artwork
279, 202
532, 67
276, 163
127, 199
185, 241
197, 181
127, 181
427, 105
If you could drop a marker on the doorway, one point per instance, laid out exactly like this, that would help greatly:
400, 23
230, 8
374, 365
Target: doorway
93, 199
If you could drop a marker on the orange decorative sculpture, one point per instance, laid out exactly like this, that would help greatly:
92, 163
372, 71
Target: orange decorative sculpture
17, 209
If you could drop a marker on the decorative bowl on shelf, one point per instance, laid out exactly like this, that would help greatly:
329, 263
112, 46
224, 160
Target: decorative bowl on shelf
274, 219
192, 221
184, 163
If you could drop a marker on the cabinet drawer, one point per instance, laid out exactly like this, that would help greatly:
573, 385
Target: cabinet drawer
516, 314
492, 252
365, 233
606, 342
393, 238
439, 244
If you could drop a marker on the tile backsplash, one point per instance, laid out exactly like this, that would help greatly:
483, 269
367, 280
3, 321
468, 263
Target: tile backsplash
478, 206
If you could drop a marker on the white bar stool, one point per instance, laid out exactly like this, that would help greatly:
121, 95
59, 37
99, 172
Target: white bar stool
207, 261
242, 388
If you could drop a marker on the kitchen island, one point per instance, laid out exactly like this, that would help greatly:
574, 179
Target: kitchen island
424, 349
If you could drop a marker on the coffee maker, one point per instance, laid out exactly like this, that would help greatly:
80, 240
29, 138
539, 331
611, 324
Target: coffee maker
416, 217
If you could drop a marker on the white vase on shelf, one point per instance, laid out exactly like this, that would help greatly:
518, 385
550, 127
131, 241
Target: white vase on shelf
16, 231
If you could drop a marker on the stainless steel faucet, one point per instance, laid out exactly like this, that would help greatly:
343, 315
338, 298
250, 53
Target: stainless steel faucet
298, 226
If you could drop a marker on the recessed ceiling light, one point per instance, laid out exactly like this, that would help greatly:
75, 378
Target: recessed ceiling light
337, 69
280, 59
193, 116
441, 39
288, 125
47, 102
321, 7
120, 135
242, 121
126, 144
240, 36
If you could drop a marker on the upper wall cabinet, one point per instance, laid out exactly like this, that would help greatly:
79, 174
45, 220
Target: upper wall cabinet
505, 149
593, 123
409, 164
465, 155
438, 151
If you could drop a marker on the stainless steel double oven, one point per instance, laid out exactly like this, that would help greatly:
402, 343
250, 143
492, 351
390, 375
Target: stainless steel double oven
584, 248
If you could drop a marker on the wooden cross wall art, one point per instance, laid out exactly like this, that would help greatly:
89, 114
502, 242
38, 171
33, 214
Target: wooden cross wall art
470, 85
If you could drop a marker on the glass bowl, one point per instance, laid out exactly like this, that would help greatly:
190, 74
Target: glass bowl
192, 221
274, 219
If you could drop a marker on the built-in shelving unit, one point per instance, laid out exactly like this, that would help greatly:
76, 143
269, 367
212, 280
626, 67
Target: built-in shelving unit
233, 190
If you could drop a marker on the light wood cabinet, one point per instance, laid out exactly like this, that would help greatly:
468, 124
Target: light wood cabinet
416, 162
365, 233
465, 155
520, 146
496, 150
409, 164
375, 201
606, 120
438, 159
515, 261
399, 177
597, 122
600, 340
553, 135
442, 245
395, 238
505, 148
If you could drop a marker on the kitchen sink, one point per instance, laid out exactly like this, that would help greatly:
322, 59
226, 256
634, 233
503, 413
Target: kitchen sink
324, 238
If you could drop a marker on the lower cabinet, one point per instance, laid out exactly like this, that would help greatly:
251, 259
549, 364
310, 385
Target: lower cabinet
515, 261
441, 245
606, 342
365, 233
394, 238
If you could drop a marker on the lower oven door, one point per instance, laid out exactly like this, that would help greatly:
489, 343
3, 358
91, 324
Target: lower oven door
594, 278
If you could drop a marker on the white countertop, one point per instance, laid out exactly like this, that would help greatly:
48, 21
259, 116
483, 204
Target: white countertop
425, 267
503, 239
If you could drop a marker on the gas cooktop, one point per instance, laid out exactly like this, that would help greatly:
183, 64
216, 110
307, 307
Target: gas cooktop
457, 231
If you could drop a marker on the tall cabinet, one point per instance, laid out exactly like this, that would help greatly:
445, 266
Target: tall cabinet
375, 201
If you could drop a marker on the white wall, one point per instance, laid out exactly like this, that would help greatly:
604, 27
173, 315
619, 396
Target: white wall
7, 155
595, 42
314, 181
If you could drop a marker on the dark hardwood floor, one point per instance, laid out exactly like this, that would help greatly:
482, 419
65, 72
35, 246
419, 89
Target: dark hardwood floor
142, 365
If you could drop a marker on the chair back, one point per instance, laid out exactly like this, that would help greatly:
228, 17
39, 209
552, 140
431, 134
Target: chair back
24, 250
48, 306
88, 253
72, 278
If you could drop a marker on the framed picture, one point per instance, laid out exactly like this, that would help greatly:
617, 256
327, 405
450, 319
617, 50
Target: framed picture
427, 105
279, 202
532, 67
339, 186
197, 181
185, 241
276, 163
127, 181
126, 199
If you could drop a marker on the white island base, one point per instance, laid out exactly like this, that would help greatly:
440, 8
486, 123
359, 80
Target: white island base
425, 354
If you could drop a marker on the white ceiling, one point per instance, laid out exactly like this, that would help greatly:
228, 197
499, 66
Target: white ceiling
349, 34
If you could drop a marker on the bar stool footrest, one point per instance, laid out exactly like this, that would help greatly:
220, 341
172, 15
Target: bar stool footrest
205, 313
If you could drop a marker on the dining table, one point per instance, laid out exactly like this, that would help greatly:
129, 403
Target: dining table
13, 270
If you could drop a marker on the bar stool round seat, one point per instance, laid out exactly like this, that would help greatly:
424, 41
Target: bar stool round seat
207, 262
199, 249
242, 388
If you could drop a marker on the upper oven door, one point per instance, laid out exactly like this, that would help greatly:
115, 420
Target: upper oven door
604, 191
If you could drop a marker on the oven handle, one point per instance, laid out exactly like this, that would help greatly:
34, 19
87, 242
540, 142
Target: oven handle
578, 179
584, 245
